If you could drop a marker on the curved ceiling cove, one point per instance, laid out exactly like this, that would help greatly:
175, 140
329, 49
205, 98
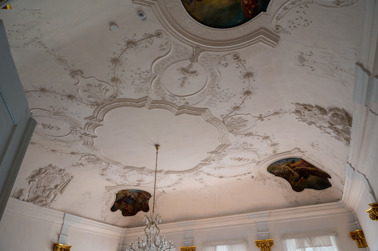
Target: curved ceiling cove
225, 13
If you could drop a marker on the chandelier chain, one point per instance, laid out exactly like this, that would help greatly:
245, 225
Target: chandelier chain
156, 161
152, 241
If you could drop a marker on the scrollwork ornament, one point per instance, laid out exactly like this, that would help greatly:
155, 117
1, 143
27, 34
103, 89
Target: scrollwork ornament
289, 5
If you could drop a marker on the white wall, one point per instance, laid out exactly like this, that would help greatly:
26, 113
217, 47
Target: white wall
27, 227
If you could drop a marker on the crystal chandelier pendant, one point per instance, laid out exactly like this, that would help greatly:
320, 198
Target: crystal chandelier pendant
152, 241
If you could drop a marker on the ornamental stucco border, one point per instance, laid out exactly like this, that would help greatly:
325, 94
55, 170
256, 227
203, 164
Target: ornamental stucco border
99, 113
170, 13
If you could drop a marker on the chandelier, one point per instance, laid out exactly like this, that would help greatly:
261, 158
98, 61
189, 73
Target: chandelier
152, 241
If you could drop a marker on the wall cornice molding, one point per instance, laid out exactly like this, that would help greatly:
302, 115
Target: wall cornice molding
79, 223
22, 208
91, 226
287, 214
30, 210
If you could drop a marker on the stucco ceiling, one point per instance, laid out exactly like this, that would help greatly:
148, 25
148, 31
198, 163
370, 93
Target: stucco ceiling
223, 104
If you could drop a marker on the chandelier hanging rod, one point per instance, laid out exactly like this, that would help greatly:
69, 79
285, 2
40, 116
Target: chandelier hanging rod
156, 161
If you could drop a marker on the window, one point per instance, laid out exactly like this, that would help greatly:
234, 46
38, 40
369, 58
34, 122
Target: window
314, 243
227, 247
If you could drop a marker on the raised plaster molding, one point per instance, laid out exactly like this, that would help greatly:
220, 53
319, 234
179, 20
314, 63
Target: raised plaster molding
188, 30
99, 113
190, 76
57, 125
182, 76
44, 185
328, 63
334, 121
279, 15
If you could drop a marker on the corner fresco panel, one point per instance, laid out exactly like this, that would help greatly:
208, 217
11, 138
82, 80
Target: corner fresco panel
131, 201
300, 174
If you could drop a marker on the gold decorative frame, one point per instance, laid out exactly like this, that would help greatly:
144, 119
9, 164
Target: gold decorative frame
373, 211
359, 237
191, 248
265, 245
61, 247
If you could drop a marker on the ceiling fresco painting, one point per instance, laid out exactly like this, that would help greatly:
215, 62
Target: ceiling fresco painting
131, 201
222, 103
224, 13
300, 174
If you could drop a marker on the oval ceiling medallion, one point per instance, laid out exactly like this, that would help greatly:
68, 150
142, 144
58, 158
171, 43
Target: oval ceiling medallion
224, 13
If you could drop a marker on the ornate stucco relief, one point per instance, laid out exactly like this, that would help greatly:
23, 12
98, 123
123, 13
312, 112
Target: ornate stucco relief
44, 185
334, 121
328, 63
99, 114
60, 124
183, 77
56, 125
300, 19
137, 80
25, 33
189, 31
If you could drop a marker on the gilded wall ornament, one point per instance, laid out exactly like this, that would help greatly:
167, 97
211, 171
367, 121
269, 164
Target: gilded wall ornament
61, 247
359, 237
191, 248
265, 245
373, 211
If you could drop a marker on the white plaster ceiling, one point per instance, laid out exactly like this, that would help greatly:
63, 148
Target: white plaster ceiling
222, 103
